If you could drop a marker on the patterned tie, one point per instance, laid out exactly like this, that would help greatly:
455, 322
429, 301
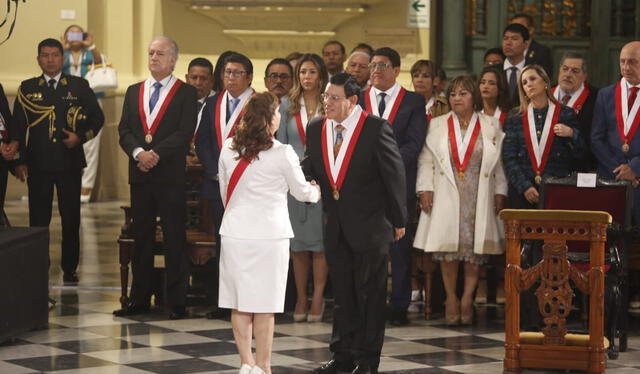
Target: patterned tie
382, 105
565, 99
513, 84
154, 96
632, 97
233, 103
52, 84
338, 143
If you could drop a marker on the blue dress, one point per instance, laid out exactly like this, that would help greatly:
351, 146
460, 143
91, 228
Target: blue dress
306, 218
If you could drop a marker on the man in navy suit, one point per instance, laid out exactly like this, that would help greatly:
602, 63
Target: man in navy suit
220, 115
405, 111
614, 139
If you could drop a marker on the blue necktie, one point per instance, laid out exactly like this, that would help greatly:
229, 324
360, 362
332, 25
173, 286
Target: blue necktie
382, 105
154, 96
233, 103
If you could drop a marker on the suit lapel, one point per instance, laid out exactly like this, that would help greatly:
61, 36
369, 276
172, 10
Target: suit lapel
438, 143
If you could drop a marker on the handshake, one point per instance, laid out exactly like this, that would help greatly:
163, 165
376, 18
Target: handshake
147, 160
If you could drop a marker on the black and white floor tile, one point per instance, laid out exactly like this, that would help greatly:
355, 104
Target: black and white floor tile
83, 337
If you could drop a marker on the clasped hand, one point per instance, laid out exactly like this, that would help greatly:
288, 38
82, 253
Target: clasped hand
147, 160
9, 151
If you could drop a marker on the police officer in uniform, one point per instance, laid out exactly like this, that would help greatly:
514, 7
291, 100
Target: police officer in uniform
59, 112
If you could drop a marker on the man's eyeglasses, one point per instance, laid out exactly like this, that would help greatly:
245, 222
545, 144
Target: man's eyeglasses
235, 73
379, 66
326, 97
276, 76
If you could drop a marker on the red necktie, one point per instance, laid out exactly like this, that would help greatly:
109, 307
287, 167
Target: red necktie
566, 99
632, 97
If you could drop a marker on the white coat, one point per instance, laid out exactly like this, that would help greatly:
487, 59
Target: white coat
258, 205
439, 231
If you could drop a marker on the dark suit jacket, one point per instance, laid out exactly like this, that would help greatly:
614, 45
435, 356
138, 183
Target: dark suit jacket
6, 115
410, 131
171, 140
605, 139
43, 153
372, 198
585, 117
207, 148
541, 55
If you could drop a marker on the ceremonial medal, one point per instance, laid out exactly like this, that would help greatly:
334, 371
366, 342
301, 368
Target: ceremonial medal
625, 148
538, 179
336, 194
462, 148
539, 150
148, 138
150, 129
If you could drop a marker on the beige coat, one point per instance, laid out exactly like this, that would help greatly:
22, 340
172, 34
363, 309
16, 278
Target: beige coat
439, 231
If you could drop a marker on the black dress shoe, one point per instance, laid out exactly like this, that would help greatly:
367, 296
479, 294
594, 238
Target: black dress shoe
177, 312
362, 369
71, 277
131, 309
399, 317
218, 313
333, 367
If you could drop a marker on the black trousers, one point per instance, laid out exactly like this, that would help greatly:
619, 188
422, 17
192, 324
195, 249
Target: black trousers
4, 172
359, 281
400, 252
40, 202
167, 201
213, 265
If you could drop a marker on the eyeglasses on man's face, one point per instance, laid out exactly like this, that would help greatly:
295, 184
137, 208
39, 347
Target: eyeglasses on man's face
234, 73
379, 66
276, 76
327, 97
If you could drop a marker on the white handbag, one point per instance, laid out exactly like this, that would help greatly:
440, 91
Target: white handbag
103, 77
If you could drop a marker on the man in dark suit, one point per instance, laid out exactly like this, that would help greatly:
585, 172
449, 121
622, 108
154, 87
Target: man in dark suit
514, 42
535, 53
405, 111
614, 140
365, 210
8, 147
156, 138
220, 115
61, 113
574, 91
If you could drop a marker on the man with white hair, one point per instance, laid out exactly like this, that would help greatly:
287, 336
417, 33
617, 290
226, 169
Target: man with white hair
157, 123
358, 67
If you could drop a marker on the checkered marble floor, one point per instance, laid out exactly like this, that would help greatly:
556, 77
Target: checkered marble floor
83, 337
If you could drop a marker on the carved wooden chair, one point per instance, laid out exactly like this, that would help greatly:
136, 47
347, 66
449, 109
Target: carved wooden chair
553, 347
615, 198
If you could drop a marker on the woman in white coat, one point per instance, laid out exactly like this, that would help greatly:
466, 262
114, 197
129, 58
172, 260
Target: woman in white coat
256, 172
461, 187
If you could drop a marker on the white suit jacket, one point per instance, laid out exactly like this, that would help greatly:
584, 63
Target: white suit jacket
258, 205
439, 231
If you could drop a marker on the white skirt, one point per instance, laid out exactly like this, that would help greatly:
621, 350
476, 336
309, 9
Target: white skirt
253, 274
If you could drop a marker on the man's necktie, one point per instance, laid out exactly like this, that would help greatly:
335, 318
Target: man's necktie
632, 97
52, 84
233, 103
565, 99
154, 96
513, 84
382, 105
200, 104
338, 143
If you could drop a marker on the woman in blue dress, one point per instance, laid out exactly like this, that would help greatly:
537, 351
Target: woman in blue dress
302, 104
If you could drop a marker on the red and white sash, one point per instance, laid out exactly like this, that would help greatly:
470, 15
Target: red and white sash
577, 98
499, 114
150, 120
428, 107
235, 177
627, 120
336, 167
391, 108
226, 129
462, 148
539, 150
301, 122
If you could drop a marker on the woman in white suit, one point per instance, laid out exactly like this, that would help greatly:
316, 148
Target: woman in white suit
256, 172
461, 187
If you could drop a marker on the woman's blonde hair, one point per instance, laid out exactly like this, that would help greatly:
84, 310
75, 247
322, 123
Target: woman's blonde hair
297, 91
524, 99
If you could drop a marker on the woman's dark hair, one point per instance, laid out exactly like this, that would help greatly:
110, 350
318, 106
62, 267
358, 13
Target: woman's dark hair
217, 72
253, 133
504, 98
466, 82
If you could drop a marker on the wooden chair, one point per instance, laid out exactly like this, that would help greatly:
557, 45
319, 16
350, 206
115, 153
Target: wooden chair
615, 198
201, 245
553, 348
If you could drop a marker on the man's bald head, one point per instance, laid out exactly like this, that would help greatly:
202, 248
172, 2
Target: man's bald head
630, 62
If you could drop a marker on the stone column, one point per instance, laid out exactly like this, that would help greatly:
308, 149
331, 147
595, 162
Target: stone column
454, 61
